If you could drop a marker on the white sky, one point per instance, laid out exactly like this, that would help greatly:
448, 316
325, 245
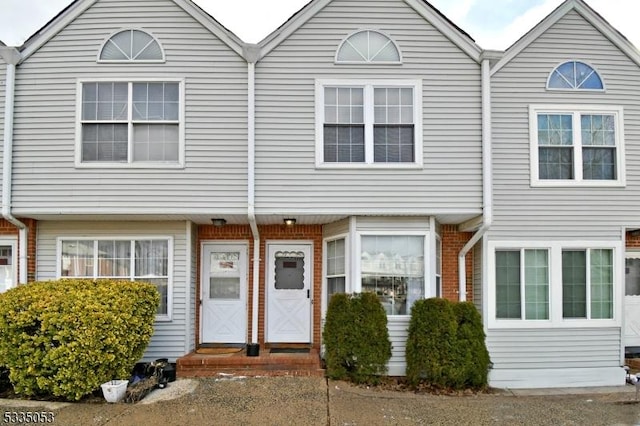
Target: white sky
494, 24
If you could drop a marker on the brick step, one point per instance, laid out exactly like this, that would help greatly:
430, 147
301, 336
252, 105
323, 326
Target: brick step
204, 365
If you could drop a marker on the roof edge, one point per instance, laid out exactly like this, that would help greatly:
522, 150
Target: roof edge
588, 13
454, 33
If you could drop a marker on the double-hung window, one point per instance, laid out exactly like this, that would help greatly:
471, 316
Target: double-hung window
336, 267
145, 259
573, 145
138, 123
369, 123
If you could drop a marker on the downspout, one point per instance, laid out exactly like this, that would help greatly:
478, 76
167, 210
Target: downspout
12, 57
487, 182
251, 54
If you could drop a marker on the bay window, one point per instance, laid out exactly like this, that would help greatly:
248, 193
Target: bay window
392, 267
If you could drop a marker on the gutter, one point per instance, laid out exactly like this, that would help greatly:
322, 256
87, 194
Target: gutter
487, 181
12, 57
251, 54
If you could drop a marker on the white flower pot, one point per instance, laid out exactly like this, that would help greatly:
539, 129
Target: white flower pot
114, 390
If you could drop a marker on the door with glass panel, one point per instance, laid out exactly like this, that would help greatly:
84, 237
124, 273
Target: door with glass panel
8, 270
289, 293
224, 293
632, 299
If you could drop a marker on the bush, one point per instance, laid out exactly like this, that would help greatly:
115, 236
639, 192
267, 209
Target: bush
64, 338
446, 345
356, 338
473, 356
430, 342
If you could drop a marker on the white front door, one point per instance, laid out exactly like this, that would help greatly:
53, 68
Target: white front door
224, 293
289, 293
632, 300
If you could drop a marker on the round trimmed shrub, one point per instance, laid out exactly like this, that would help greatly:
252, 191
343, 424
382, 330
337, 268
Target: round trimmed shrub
356, 338
66, 337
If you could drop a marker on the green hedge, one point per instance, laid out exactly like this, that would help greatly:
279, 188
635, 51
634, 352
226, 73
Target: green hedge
64, 338
446, 345
356, 339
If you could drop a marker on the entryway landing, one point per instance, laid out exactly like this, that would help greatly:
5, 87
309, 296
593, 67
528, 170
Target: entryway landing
275, 361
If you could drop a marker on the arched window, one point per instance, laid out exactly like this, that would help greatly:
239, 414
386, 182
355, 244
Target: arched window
368, 46
575, 75
131, 45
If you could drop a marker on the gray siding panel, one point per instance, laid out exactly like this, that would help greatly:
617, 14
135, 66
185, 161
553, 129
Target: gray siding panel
3, 88
215, 130
554, 348
521, 211
398, 335
169, 339
285, 117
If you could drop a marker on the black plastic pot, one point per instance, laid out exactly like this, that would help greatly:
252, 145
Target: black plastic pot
253, 349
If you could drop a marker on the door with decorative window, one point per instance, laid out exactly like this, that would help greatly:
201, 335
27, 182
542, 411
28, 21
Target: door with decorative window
289, 293
224, 293
8, 271
632, 299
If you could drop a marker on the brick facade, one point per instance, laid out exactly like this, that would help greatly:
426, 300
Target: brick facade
452, 242
270, 233
632, 241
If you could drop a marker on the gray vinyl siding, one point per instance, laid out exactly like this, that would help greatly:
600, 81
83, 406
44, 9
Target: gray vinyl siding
559, 348
521, 211
398, 335
286, 173
214, 177
169, 339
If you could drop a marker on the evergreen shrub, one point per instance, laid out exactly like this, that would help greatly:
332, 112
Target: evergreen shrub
356, 338
64, 338
446, 345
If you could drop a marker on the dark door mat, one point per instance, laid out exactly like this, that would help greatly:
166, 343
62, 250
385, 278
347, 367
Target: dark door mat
289, 350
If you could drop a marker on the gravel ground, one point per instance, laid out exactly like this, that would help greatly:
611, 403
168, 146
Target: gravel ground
315, 401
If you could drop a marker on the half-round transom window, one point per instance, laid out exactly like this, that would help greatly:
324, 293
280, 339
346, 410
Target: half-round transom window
131, 45
575, 75
368, 46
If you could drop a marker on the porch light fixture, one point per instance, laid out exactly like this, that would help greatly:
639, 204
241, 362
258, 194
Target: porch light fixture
219, 222
289, 221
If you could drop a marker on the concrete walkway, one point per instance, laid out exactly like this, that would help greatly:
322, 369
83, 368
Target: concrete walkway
316, 401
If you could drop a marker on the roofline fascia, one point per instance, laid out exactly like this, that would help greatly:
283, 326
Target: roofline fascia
209, 22
587, 13
75, 9
46, 33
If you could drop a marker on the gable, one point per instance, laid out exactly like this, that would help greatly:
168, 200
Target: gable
582, 17
370, 15
116, 15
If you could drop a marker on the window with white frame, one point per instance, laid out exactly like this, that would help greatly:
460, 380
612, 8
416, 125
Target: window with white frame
131, 45
522, 284
367, 47
561, 283
130, 122
393, 267
145, 260
573, 145
438, 266
336, 267
575, 75
367, 123
587, 283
